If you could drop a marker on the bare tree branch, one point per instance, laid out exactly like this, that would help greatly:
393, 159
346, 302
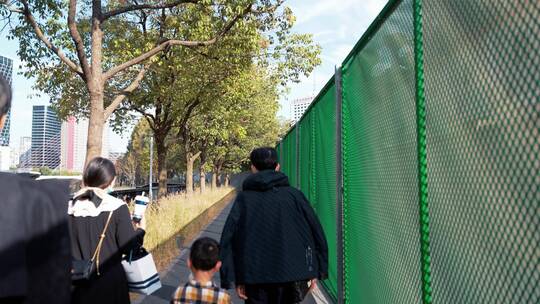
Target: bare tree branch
142, 112
149, 117
122, 95
30, 19
76, 36
168, 43
195, 156
10, 7
138, 7
96, 47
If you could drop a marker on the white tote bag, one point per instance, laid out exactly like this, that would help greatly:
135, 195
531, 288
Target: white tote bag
142, 274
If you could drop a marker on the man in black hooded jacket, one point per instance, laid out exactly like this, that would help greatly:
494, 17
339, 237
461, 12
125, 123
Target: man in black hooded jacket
272, 240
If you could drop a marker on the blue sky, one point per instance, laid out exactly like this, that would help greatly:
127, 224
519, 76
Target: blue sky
336, 26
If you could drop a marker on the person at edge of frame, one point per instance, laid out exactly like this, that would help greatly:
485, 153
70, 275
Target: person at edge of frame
35, 256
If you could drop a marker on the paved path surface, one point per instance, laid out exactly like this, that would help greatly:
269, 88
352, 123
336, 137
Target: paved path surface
179, 272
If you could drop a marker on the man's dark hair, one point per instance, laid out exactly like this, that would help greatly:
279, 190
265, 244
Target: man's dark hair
99, 173
5, 96
204, 254
264, 158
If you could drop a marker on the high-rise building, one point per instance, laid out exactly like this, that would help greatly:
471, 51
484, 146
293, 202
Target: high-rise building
6, 70
299, 106
74, 137
25, 152
45, 138
5, 158
14, 159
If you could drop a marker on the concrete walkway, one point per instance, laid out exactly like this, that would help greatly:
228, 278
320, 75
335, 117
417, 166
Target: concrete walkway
179, 272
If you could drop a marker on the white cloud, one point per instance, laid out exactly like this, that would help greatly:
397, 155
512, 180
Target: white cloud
341, 51
314, 10
322, 33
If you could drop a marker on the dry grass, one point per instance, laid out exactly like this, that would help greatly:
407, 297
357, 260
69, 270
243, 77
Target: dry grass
171, 214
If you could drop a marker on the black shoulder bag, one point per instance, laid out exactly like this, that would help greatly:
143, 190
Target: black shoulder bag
82, 269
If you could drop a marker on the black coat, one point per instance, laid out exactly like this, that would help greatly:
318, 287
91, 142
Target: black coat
35, 254
120, 238
272, 235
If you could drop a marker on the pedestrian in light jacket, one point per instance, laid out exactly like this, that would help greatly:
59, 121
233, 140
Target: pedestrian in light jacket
272, 239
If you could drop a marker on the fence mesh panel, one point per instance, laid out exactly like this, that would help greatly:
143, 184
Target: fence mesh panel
381, 225
293, 155
482, 76
324, 186
284, 154
305, 162
289, 157
482, 88
278, 150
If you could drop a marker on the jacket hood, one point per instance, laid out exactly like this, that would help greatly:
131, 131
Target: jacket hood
265, 180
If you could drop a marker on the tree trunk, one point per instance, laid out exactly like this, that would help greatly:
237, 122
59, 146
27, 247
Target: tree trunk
190, 161
216, 173
162, 166
95, 87
95, 126
227, 180
137, 179
214, 180
203, 180
189, 173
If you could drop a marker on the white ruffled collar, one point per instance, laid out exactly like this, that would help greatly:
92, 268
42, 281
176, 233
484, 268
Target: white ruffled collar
85, 207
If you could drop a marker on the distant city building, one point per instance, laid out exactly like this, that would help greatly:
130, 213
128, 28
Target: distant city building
25, 152
14, 157
5, 158
299, 106
74, 135
6, 70
46, 128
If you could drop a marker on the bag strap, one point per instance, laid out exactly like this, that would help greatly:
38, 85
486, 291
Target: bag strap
100, 243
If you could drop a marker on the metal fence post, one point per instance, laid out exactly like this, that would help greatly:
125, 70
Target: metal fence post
339, 189
422, 152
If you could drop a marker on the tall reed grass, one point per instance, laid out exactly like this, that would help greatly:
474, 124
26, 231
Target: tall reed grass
168, 216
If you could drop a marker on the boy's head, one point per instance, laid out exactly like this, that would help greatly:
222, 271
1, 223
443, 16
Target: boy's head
204, 255
264, 159
5, 100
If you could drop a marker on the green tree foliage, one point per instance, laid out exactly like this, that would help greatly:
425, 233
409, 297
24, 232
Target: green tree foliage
90, 55
134, 166
184, 83
247, 120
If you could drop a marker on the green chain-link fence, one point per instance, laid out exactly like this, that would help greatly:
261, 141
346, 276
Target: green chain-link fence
438, 196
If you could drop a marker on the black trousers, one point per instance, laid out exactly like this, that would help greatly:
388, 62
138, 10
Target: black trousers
281, 293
